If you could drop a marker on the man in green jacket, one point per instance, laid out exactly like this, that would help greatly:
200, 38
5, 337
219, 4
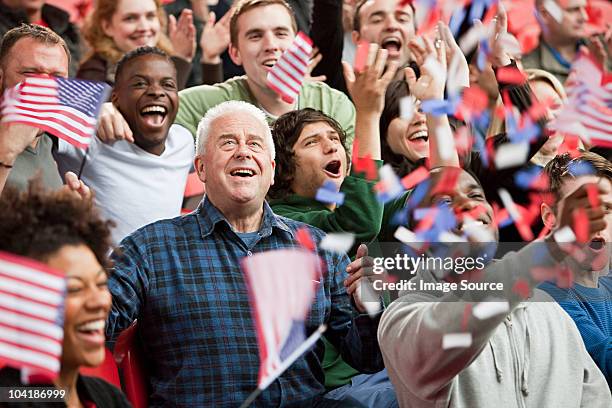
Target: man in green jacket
312, 151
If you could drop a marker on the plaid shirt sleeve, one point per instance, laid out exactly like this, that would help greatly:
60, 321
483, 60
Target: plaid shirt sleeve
129, 284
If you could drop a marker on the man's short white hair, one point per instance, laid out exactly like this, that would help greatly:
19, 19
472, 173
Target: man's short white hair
231, 108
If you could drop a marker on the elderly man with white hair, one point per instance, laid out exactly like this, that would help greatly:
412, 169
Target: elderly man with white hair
181, 279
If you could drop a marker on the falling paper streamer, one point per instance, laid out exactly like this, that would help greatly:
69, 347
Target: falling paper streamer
511, 155
368, 297
415, 177
406, 236
407, 108
328, 194
304, 238
361, 56
389, 187
554, 10
339, 242
287, 75
506, 198
564, 235
456, 340
488, 309
445, 142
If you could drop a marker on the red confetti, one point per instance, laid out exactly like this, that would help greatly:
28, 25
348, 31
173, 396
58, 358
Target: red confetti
581, 225
361, 56
473, 102
447, 182
565, 277
539, 109
415, 177
511, 75
304, 238
363, 164
593, 195
467, 313
521, 288
541, 273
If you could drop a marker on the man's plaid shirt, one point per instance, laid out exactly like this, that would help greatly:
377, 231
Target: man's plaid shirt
181, 279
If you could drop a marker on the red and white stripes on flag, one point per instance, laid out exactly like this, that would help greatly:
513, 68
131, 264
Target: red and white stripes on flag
287, 75
66, 108
31, 315
282, 285
589, 102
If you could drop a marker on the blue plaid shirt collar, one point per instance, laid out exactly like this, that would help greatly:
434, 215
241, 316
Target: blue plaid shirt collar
209, 217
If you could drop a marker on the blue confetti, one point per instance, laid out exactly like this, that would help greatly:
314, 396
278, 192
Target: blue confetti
525, 178
328, 194
580, 168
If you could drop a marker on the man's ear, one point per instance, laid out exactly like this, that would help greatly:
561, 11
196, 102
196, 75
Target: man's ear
114, 97
355, 37
199, 166
548, 216
273, 172
234, 54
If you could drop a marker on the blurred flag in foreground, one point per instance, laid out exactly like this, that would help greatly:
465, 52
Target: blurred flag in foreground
588, 112
66, 108
31, 316
287, 75
282, 285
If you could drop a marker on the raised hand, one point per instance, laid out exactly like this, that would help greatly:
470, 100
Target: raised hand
76, 186
432, 63
215, 37
500, 55
315, 58
182, 35
14, 138
458, 68
367, 88
112, 125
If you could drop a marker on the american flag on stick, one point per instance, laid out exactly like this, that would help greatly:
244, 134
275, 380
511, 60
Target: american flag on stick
31, 316
588, 112
66, 108
288, 74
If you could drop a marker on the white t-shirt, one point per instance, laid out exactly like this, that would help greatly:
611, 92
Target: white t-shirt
133, 187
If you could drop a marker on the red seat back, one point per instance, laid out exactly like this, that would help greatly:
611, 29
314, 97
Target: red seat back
130, 358
106, 371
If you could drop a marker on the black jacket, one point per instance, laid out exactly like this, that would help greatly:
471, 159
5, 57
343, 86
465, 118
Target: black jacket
57, 19
92, 389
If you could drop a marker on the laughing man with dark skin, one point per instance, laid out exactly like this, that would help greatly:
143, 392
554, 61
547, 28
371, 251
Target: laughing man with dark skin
136, 184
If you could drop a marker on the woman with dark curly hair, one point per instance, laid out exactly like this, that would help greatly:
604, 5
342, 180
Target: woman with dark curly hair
66, 233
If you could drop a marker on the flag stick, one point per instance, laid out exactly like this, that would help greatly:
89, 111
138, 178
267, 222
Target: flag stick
310, 341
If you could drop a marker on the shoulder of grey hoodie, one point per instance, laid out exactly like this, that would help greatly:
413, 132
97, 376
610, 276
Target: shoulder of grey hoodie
424, 374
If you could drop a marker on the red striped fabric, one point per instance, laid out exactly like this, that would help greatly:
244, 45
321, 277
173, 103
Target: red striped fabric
590, 101
66, 108
288, 74
31, 315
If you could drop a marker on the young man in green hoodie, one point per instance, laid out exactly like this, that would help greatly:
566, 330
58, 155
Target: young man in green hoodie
311, 151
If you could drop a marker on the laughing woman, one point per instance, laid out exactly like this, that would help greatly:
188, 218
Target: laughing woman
116, 27
67, 234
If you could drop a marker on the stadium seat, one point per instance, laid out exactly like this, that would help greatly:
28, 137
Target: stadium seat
129, 357
107, 370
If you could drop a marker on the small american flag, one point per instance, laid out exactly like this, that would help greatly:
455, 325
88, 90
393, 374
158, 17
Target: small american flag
289, 71
281, 299
31, 316
589, 101
66, 108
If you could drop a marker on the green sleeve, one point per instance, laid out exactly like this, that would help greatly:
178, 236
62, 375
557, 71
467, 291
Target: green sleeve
361, 213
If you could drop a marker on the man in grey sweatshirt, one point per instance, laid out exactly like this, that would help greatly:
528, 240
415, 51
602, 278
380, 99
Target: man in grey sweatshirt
459, 349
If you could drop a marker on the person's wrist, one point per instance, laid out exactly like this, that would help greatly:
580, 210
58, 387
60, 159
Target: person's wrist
210, 58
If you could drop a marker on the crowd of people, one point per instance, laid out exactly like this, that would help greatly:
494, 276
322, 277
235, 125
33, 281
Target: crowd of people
411, 134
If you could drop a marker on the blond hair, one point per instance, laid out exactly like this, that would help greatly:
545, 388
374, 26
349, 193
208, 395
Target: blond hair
102, 44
